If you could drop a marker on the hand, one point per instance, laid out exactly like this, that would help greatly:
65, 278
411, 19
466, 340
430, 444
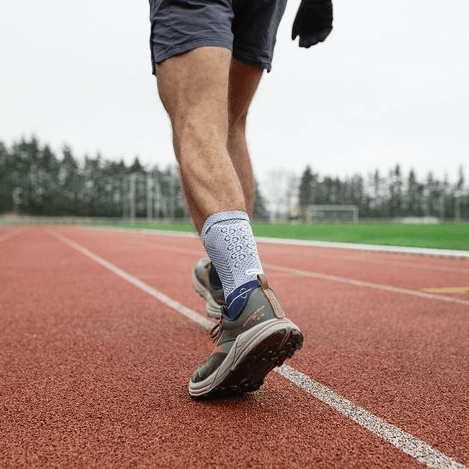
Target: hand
313, 22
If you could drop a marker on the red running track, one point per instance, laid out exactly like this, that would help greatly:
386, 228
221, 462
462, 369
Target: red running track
94, 370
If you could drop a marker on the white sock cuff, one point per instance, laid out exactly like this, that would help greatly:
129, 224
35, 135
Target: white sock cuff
223, 216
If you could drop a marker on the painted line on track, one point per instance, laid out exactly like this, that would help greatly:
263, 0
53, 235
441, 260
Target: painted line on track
370, 247
429, 295
450, 290
361, 283
411, 265
405, 442
189, 313
335, 278
10, 234
402, 440
431, 252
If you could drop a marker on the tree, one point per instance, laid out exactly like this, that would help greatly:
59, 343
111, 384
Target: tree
305, 187
459, 196
68, 183
260, 210
411, 195
395, 192
5, 180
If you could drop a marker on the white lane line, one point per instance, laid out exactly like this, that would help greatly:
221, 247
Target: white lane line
331, 278
304, 273
313, 253
10, 234
360, 283
431, 252
370, 247
361, 257
189, 313
400, 439
177, 234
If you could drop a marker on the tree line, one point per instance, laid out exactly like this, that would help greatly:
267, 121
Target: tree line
34, 180
390, 195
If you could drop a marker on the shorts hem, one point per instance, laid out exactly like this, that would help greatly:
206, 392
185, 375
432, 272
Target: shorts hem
188, 46
252, 60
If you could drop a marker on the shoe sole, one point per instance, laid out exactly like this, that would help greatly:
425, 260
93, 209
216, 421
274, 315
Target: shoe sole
254, 354
212, 308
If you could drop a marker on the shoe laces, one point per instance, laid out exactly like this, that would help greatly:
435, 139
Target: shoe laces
215, 332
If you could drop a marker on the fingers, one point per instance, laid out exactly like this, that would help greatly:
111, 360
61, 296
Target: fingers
307, 41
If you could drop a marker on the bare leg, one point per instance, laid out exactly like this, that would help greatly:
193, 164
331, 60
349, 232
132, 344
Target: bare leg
207, 97
194, 90
243, 83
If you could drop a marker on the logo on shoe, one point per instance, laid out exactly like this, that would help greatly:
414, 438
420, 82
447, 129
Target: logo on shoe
253, 272
255, 316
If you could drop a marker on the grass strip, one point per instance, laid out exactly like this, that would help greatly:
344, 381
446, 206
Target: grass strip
454, 236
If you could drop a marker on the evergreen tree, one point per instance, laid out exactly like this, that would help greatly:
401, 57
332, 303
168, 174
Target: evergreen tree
33, 180
395, 192
305, 195
411, 196
460, 199
260, 210
68, 183
6, 203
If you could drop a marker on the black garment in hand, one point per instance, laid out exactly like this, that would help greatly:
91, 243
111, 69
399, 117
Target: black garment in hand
313, 22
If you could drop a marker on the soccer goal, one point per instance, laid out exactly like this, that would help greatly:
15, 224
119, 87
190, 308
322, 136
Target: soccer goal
332, 213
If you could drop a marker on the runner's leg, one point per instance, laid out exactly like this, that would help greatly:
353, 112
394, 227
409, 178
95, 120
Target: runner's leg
194, 90
243, 82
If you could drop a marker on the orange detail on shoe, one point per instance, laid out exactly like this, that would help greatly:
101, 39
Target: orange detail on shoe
206, 273
263, 283
217, 349
278, 311
256, 316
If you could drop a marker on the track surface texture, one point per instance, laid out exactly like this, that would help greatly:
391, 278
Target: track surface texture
95, 358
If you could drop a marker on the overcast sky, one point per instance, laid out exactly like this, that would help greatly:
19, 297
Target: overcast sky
388, 86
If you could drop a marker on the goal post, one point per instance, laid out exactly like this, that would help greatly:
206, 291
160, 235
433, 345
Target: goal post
332, 213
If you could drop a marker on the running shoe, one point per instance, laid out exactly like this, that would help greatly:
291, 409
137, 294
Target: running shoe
248, 347
213, 295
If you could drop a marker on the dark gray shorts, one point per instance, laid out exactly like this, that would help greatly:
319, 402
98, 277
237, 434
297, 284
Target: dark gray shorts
247, 27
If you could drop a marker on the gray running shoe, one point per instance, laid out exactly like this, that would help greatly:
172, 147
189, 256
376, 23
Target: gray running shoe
248, 347
201, 281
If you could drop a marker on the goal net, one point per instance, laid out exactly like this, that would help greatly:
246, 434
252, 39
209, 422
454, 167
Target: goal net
332, 213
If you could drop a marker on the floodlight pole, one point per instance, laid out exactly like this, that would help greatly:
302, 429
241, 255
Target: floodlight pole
133, 178
149, 197
157, 198
171, 197
16, 196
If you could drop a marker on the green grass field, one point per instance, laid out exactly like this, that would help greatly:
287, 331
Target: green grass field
442, 236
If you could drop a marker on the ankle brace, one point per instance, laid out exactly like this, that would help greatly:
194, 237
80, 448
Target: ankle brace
228, 240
